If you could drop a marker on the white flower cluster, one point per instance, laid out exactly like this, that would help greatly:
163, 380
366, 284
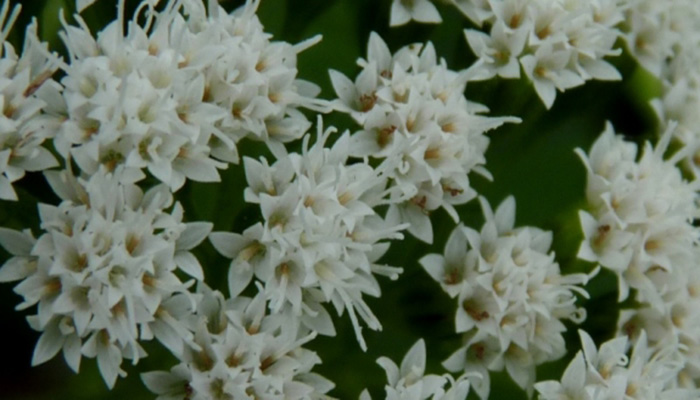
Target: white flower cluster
640, 226
103, 274
320, 237
412, 108
172, 91
641, 214
409, 382
560, 44
25, 82
608, 373
239, 352
664, 38
511, 295
175, 94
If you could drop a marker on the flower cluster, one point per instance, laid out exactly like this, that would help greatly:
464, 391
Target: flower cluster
171, 92
641, 213
409, 381
663, 37
320, 237
512, 297
239, 352
104, 269
665, 40
175, 94
412, 108
560, 44
608, 373
25, 87
640, 226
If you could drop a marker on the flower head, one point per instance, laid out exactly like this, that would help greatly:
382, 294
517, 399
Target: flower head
511, 297
175, 94
320, 237
240, 352
26, 93
413, 111
104, 269
409, 381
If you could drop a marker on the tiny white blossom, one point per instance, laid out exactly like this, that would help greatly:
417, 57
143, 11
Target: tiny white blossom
547, 70
511, 296
402, 11
498, 52
413, 112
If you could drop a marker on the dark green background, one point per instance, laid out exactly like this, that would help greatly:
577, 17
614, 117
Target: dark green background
533, 161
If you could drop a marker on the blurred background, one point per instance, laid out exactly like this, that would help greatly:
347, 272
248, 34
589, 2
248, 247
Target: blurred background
533, 160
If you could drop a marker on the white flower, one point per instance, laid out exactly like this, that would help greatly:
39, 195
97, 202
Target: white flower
25, 92
477, 357
403, 11
456, 266
498, 52
547, 70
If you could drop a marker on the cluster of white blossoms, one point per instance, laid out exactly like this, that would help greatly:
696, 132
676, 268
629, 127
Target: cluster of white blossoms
409, 382
640, 213
640, 225
174, 89
176, 93
173, 95
240, 352
607, 372
320, 237
25, 81
664, 38
102, 274
412, 108
560, 44
511, 294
